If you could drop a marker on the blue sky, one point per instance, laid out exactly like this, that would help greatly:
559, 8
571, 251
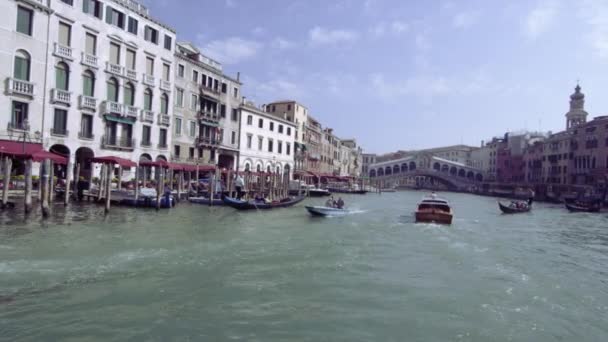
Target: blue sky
399, 74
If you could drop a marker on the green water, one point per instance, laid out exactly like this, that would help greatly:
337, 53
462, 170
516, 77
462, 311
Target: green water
213, 274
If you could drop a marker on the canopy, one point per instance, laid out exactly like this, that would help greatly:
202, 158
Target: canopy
158, 163
119, 119
18, 148
43, 155
114, 160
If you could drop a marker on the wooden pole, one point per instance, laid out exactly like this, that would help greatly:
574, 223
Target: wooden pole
100, 185
119, 186
90, 179
179, 185
44, 188
28, 186
137, 184
77, 178
110, 172
189, 187
68, 180
51, 190
159, 170
8, 164
145, 180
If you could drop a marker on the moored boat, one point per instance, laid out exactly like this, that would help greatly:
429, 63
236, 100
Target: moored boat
347, 191
206, 201
584, 207
326, 211
433, 209
253, 205
316, 192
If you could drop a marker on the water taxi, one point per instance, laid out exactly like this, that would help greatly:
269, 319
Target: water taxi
433, 209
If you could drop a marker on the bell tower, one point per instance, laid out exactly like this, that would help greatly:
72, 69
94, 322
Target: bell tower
577, 114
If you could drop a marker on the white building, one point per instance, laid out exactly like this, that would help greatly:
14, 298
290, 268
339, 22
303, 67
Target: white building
266, 141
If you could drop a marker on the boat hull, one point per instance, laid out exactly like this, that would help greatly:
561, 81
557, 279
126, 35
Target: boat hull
326, 211
206, 201
318, 193
247, 205
433, 217
582, 209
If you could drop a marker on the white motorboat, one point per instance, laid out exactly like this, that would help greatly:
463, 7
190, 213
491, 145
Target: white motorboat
326, 211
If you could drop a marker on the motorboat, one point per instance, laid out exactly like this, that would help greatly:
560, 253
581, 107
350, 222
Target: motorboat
317, 192
262, 205
433, 209
326, 211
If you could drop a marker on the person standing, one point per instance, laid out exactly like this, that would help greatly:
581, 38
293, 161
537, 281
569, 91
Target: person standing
239, 183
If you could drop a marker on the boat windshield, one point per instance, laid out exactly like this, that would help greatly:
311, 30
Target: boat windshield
438, 206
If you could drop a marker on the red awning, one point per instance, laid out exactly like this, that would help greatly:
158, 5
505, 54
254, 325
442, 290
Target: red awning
114, 160
54, 157
18, 149
158, 163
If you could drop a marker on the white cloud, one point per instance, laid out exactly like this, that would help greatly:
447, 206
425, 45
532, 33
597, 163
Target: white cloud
282, 44
258, 31
541, 19
232, 50
423, 86
322, 36
465, 19
422, 42
383, 28
595, 14
230, 3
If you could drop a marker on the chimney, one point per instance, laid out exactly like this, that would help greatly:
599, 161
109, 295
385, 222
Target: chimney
238, 76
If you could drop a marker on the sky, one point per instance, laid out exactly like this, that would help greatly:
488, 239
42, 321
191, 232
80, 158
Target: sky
404, 74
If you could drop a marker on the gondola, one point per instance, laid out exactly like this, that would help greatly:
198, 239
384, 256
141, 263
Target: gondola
326, 211
585, 208
206, 201
506, 209
251, 205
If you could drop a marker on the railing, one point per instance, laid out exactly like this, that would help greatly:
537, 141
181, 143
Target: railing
18, 126
213, 91
207, 115
133, 5
148, 79
131, 112
60, 131
87, 102
113, 142
164, 119
165, 85
20, 87
147, 116
89, 60
86, 135
132, 74
63, 51
59, 95
114, 69
111, 107
206, 141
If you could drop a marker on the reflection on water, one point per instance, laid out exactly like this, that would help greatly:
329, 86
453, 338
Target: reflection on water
201, 273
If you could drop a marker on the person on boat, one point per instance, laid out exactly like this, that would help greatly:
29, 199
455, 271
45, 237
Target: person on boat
259, 198
239, 183
340, 204
433, 195
330, 202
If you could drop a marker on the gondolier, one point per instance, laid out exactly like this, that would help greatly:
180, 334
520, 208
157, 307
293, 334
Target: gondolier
239, 183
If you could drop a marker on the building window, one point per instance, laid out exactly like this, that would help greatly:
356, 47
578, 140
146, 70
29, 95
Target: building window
168, 42
261, 123
112, 90
194, 76
249, 138
131, 60
129, 95
191, 153
162, 137
192, 131
289, 131
164, 104
233, 138
271, 126
280, 128
176, 151
114, 53
249, 120
86, 126
221, 135
147, 99
223, 111
179, 98
279, 147
19, 119
288, 107
193, 102
180, 71
60, 122
288, 148
132, 25
90, 44
146, 136
270, 145
65, 34
224, 88
235, 92
21, 69
149, 66
88, 83
260, 143
93, 7
114, 17
178, 126
235, 115
151, 34
24, 20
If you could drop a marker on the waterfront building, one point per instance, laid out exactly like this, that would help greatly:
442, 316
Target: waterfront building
310, 159
589, 163
298, 114
266, 141
368, 160
354, 165
206, 110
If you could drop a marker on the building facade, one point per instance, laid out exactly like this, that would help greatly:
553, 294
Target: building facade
266, 141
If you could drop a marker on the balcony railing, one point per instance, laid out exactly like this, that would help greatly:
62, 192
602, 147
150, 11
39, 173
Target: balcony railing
165, 85
131, 112
89, 60
114, 69
86, 135
148, 80
147, 116
60, 132
207, 115
164, 119
87, 102
110, 107
19, 87
61, 96
63, 51
132, 74
208, 141
210, 90
113, 142
19, 126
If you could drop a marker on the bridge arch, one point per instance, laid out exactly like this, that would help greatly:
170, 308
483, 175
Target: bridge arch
372, 173
470, 175
396, 169
412, 166
445, 168
380, 172
462, 173
436, 166
388, 171
404, 167
453, 171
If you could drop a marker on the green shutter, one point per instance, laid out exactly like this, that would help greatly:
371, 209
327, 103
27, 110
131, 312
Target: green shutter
109, 14
128, 96
24, 21
111, 94
147, 101
21, 69
61, 78
87, 85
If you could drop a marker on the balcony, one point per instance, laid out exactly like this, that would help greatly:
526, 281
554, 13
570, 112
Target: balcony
63, 51
87, 102
115, 143
89, 60
19, 126
148, 80
61, 132
147, 116
86, 135
131, 74
19, 87
165, 85
206, 141
114, 69
131, 112
61, 96
164, 119
110, 107
207, 115
212, 92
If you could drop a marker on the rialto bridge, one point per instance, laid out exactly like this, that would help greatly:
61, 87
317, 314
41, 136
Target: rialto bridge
426, 170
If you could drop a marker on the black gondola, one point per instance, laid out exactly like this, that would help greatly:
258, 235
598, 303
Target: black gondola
252, 205
508, 209
584, 207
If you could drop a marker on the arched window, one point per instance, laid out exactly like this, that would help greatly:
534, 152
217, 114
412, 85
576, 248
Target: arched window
247, 167
112, 93
21, 69
129, 95
164, 103
259, 168
148, 99
268, 169
88, 83
62, 72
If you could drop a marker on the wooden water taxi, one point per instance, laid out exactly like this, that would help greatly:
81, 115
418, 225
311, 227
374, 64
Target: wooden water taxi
433, 209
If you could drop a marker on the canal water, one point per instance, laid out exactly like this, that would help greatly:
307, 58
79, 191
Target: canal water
210, 274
